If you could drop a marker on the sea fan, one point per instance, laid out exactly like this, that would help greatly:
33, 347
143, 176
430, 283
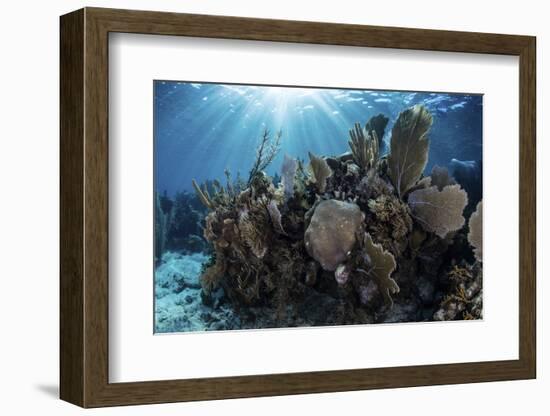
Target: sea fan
409, 148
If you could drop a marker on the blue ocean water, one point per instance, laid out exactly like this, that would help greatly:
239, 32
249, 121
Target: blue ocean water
203, 129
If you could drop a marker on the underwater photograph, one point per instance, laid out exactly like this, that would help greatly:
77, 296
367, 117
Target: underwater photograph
283, 206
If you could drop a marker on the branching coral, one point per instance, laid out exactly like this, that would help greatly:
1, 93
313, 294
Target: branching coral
475, 235
437, 211
265, 153
465, 299
203, 195
320, 172
409, 148
331, 232
364, 146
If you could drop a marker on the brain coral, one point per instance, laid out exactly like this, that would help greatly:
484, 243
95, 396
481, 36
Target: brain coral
331, 232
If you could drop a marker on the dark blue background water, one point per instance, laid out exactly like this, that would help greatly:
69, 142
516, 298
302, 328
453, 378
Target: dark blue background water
202, 129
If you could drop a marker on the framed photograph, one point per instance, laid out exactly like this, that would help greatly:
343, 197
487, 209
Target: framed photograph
255, 207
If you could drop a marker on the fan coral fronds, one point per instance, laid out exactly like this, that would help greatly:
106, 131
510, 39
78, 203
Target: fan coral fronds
380, 266
409, 148
320, 171
288, 173
439, 212
475, 235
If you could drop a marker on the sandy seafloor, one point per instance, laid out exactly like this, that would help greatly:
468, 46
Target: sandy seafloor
179, 305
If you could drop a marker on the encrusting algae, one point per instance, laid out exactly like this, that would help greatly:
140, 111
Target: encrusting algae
362, 237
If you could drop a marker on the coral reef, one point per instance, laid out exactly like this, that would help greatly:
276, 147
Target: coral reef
465, 298
475, 234
357, 238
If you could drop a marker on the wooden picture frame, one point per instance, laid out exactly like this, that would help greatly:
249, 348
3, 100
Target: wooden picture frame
84, 207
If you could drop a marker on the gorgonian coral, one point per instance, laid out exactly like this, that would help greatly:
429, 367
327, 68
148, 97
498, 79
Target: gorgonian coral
352, 235
409, 148
437, 211
320, 172
380, 264
364, 145
475, 234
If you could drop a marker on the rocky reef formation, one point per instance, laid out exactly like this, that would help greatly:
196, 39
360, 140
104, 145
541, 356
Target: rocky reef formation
350, 239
